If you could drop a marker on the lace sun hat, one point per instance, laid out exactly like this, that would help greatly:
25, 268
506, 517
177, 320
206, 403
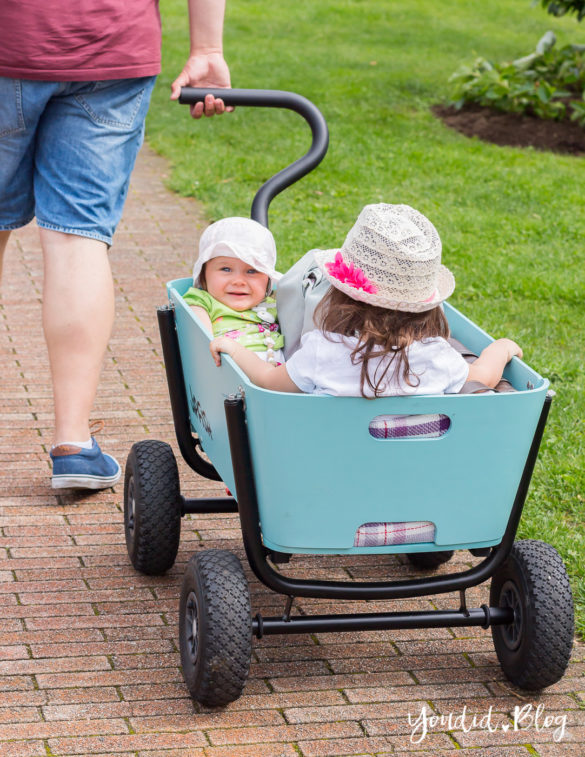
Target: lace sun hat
241, 238
391, 258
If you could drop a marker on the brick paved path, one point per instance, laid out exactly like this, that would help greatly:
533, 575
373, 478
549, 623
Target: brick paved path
88, 647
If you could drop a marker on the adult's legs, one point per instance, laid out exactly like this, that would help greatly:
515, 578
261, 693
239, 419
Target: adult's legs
69, 164
78, 314
3, 242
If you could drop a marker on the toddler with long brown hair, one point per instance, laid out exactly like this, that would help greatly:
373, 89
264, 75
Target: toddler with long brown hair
381, 329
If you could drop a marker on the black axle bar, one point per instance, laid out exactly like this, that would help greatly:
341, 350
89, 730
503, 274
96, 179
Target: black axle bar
208, 505
484, 617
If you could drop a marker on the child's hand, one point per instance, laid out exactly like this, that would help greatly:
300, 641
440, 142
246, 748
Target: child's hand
221, 344
489, 366
511, 347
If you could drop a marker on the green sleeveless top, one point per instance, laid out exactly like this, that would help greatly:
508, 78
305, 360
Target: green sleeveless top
248, 327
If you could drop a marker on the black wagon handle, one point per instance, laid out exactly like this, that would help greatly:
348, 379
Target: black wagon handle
272, 98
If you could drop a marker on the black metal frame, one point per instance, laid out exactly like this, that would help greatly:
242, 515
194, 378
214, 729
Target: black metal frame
265, 98
247, 503
188, 444
257, 554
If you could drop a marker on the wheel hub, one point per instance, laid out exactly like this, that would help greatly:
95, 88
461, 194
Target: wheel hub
191, 627
512, 633
131, 507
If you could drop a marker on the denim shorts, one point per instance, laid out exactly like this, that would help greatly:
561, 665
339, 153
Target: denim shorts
67, 150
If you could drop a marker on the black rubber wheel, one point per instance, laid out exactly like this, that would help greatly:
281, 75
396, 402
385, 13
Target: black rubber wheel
152, 512
215, 627
429, 560
534, 650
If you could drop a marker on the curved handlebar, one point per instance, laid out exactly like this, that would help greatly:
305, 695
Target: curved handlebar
271, 98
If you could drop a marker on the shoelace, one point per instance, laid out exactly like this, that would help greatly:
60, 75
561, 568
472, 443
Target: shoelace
96, 426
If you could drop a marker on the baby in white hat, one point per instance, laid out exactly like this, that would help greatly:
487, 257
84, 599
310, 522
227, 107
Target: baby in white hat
381, 328
232, 282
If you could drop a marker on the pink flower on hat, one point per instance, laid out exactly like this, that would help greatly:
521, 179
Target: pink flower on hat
350, 275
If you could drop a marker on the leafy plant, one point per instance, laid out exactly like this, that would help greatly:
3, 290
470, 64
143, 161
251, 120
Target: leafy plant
548, 83
560, 7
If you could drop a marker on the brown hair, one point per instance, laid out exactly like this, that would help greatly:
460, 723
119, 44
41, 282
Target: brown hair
202, 279
380, 332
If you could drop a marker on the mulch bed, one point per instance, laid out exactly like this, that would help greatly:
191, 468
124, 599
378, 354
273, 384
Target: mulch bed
514, 129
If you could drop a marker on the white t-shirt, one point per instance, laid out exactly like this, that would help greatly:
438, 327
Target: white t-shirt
323, 365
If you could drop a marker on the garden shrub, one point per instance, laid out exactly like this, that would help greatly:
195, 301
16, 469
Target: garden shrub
560, 7
549, 83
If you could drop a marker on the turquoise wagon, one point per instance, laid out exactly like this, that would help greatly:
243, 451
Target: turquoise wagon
345, 489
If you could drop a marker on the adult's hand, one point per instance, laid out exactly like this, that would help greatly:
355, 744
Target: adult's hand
204, 70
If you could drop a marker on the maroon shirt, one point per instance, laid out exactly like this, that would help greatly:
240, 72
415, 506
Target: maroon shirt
79, 40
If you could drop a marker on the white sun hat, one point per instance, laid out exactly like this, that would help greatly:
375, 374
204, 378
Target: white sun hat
390, 258
241, 238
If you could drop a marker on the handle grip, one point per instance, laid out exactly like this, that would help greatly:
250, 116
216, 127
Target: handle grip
271, 98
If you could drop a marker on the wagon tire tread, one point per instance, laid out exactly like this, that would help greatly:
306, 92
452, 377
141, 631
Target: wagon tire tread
540, 660
220, 672
429, 560
154, 541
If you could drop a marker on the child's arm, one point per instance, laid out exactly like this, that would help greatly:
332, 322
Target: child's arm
203, 317
489, 366
262, 374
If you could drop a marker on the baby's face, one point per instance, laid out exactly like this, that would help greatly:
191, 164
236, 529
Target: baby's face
235, 283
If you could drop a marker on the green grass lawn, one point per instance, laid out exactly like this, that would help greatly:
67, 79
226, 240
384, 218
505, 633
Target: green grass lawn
511, 220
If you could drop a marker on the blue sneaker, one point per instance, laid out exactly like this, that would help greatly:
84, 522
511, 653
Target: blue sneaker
78, 468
